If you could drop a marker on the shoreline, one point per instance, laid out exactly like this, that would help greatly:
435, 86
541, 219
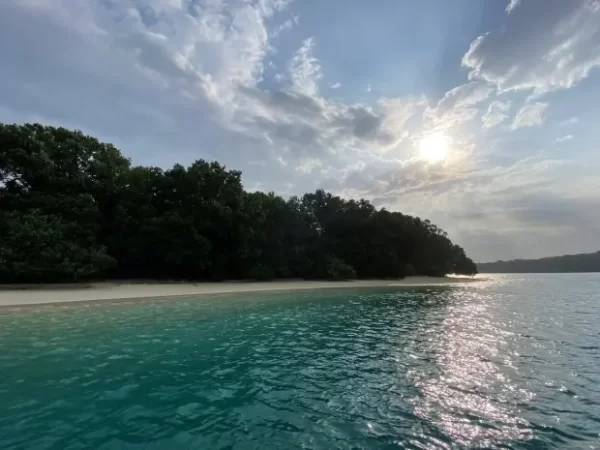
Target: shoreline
30, 295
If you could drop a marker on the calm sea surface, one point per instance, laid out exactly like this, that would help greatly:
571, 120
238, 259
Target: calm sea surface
513, 362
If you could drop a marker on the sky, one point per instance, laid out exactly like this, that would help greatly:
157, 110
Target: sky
479, 115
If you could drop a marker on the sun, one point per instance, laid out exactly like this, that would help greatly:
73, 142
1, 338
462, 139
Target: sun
434, 148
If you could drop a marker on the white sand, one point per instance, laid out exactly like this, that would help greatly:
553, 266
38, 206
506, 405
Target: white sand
36, 295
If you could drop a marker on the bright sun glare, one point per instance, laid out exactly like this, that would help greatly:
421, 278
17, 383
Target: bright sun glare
434, 148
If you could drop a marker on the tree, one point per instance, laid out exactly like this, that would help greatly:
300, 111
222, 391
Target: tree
38, 247
50, 216
73, 207
339, 270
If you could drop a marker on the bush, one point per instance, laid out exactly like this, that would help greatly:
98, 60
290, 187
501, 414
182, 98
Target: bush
339, 270
260, 272
38, 248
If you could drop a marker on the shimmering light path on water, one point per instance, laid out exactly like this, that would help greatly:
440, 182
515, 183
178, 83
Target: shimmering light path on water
509, 363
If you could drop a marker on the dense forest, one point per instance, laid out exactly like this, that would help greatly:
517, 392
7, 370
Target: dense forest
73, 208
584, 262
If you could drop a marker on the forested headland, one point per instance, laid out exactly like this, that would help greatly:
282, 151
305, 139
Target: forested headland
74, 208
584, 262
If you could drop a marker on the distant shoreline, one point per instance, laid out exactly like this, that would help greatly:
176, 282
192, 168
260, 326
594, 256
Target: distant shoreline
28, 294
574, 263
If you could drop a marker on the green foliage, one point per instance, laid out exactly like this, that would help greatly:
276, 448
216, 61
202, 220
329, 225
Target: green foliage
44, 248
338, 270
72, 207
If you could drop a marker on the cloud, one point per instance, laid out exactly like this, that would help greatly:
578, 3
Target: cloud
313, 128
287, 25
315, 133
543, 45
197, 64
199, 72
512, 5
369, 88
458, 105
305, 70
335, 85
463, 96
565, 138
530, 115
170, 71
570, 121
547, 225
496, 114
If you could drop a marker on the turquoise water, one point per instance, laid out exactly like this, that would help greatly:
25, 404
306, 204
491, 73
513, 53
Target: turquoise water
513, 362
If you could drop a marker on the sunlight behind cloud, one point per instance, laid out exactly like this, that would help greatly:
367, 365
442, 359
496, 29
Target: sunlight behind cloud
434, 148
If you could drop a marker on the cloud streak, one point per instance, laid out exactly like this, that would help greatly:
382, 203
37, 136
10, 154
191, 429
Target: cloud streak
565, 138
544, 45
496, 113
570, 121
530, 115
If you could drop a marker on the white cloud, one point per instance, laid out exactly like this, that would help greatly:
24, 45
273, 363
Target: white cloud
208, 62
571, 121
512, 5
496, 113
305, 70
565, 138
335, 85
465, 95
530, 115
543, 45
369, 88
458, 105
287, 25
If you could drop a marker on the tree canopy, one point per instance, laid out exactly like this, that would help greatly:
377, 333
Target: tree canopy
72, 208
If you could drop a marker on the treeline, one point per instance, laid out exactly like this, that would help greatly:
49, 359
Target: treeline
72, 208
584, 262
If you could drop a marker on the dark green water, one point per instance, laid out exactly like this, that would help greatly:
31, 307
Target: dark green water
510, 363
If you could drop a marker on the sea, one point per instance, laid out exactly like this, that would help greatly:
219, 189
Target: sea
510, 362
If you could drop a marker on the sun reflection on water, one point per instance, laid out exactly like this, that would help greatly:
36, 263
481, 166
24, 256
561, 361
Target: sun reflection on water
470, 396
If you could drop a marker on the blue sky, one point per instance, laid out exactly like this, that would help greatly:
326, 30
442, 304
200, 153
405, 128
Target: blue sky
339, 94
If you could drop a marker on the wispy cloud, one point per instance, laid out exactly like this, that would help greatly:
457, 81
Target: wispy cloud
543, 45
463, 96
496, 113
335, 85
565, 138
530, 115
458, 105
512, 5
305, 70
287, 25
570, 121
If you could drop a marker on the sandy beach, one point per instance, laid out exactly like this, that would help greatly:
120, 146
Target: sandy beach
49, 294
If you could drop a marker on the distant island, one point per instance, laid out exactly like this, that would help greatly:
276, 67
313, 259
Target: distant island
73, 208
584, 262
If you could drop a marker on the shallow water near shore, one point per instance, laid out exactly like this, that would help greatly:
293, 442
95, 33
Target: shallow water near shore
511, 362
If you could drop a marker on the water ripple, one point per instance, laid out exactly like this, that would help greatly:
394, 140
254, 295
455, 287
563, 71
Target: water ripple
504, 364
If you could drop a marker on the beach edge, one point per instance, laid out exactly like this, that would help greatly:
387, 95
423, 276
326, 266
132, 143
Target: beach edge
24, 295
